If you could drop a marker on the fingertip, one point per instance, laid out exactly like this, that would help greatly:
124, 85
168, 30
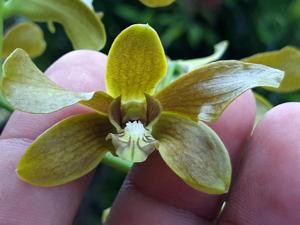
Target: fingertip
286, 113
236, 123
81, 70
268, 183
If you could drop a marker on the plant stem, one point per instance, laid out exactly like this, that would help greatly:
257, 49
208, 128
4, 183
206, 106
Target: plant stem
3, 102
1, 27
117, 163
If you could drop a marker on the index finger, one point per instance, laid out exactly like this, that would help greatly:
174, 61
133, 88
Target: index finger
19, 202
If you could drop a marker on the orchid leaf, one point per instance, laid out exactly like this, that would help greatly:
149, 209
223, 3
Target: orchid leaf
27, 89
194, 152
27, 36
100, 102
136, 63
65, 152
81, 23
192, 64
203, 94
262, 107
286, 59
157, 3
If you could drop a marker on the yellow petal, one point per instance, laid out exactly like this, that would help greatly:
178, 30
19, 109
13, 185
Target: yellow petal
157, 3
100, 102
27, 89
262, 107
65, 152
194, 152
81, 23
27, 36
136, 63
286, 59
192, 64
203, 94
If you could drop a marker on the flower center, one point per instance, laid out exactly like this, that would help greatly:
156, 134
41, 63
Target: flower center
134, 143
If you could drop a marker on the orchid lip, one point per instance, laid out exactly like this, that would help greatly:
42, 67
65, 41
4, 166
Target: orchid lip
135, 143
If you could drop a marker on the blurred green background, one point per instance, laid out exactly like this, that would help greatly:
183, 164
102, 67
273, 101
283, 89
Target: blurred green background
188, 29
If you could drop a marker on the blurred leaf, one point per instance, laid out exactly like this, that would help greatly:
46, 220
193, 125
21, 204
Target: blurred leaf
81, 24
194, 34
192, 64
262, 106
27, 36
294, 9
128, 12
172, 33
286, 59
271, 27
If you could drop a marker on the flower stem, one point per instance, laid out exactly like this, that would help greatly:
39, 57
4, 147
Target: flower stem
117, 163
3, 103
1, 27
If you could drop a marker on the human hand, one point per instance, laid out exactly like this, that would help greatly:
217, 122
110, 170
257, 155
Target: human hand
265, 190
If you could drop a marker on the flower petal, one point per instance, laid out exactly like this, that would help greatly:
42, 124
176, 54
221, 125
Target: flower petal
194, 152
136, 63
157, 3
89, 3
153, 110
65, 152
81, 23
262, 107
27, 36
286, 59
192, 64
100, 102
27, 89
203, 94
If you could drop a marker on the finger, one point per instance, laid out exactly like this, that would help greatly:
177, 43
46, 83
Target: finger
20, 202
267, 190
153, 194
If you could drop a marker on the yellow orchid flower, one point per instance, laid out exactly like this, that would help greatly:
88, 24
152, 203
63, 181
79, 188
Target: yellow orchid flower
132, 120
157, 3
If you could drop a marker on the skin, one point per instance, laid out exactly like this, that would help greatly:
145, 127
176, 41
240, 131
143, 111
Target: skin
266, 184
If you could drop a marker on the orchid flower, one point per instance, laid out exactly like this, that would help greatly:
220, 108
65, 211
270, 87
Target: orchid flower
76, 17
157, 3
132, 119
286, 59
